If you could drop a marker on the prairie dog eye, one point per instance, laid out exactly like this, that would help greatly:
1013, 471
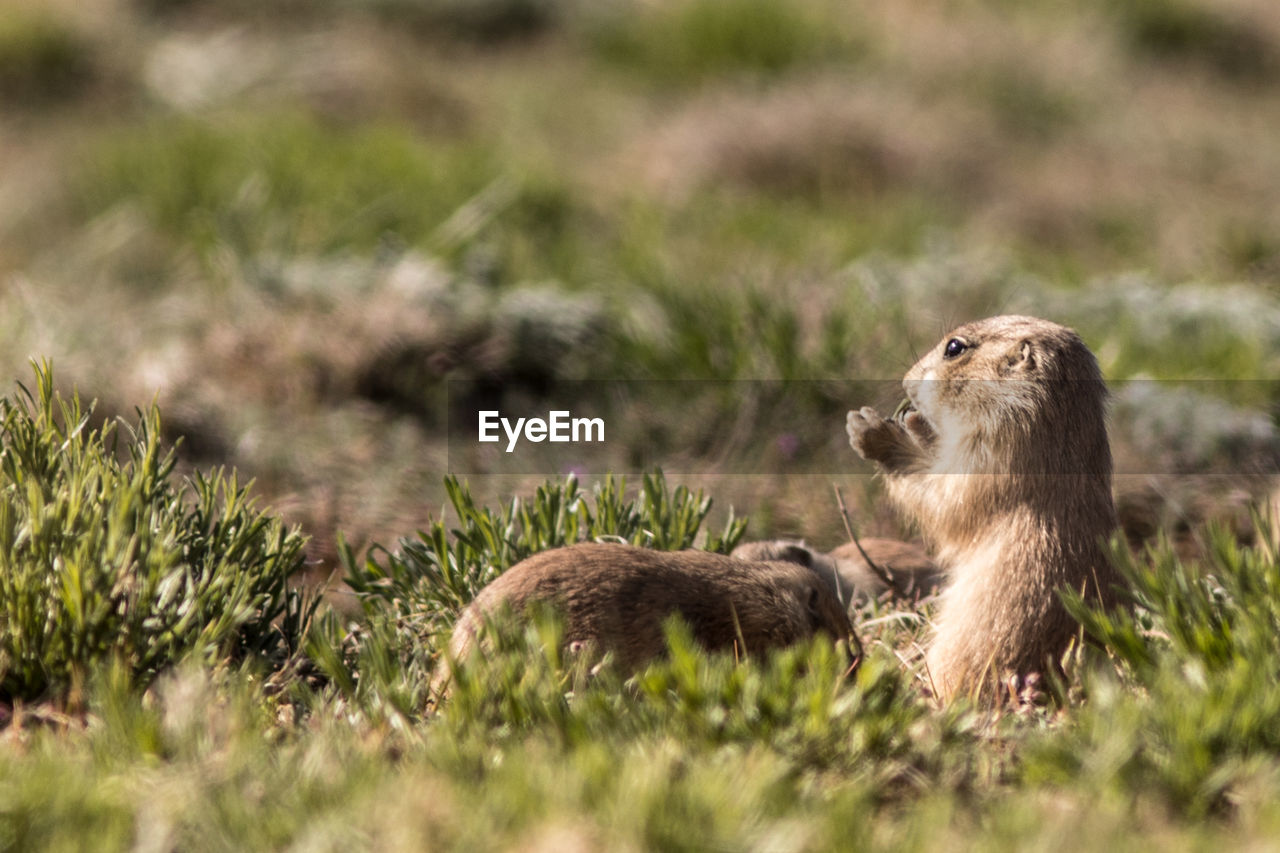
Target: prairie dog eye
954, 347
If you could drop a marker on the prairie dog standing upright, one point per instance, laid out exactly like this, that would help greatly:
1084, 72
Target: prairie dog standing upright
1002, 457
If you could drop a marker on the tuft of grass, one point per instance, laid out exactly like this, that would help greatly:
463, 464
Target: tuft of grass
1029, 106
103, 557
282, 185
792, 699
687, 41
1193, 710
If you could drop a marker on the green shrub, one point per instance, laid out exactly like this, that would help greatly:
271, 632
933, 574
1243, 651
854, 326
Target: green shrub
204, 763
103, 557
1212, 616
437, 574
1201, 645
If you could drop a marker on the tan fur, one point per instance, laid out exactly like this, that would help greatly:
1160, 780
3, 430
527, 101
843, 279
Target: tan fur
912, 574
618, 597
1005, 464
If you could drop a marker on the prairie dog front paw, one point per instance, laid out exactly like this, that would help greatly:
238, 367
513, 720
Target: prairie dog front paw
919, 428
879, 439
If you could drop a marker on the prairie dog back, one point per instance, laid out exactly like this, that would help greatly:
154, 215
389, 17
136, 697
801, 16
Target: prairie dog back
619, 596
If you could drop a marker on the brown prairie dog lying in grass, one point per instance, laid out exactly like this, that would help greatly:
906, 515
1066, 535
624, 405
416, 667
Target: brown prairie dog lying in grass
617, 597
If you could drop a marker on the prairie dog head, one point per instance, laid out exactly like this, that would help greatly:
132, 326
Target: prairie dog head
822, 611
1012, 394
789, 551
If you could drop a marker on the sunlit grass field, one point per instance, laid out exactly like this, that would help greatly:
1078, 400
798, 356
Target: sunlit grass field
290, 239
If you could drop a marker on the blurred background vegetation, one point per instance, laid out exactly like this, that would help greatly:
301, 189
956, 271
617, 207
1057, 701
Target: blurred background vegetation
299, 234
292, 223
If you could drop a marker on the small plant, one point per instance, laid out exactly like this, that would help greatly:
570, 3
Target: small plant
437, 574
1201, 644
1211, 616
103, 557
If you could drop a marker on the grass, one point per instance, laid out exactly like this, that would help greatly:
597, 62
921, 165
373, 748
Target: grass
288, 186
1195, 645
1169, 736
687, 41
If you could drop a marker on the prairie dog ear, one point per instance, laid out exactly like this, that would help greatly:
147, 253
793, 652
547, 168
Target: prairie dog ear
798, 554
1021, 359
